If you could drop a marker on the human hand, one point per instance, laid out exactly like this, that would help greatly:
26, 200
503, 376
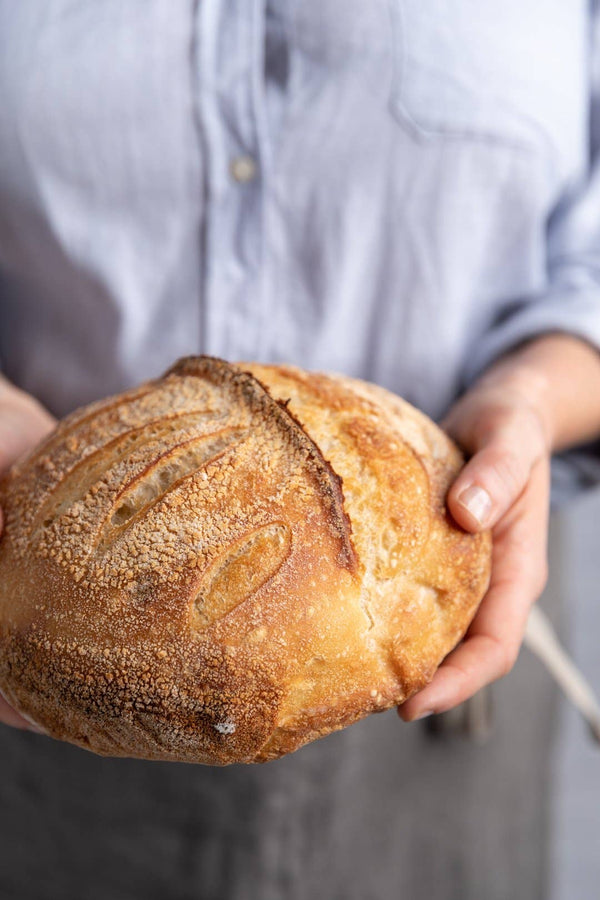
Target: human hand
23, 423
505, 486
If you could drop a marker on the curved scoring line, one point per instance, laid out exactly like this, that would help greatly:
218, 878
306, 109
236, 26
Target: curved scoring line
258, 398
275, 536
71, 423
126, 443
107, 536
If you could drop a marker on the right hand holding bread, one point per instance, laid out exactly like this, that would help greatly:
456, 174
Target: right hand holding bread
23, 423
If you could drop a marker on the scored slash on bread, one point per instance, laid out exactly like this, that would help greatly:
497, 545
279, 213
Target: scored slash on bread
230, 561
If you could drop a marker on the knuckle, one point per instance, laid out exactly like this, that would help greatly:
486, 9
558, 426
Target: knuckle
533, 579
510, 469
504, 655
461, 673
509, 659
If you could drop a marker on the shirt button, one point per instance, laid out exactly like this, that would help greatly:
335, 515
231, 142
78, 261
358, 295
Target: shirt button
243, 169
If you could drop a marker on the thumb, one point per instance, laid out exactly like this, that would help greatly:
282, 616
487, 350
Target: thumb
497, 473
23, 424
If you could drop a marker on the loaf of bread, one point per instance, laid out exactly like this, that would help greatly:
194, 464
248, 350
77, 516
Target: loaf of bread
230, 561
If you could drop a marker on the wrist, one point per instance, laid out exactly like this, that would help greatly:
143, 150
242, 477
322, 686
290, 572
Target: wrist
527, 387
558, 376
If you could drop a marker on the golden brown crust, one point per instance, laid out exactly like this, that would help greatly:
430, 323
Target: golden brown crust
230, 561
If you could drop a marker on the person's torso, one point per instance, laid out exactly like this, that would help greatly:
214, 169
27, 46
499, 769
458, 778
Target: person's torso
343, 185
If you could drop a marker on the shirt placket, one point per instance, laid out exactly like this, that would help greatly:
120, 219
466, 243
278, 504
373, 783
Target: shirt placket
231, 113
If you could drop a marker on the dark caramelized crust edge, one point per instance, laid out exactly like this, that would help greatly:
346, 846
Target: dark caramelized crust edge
258, 397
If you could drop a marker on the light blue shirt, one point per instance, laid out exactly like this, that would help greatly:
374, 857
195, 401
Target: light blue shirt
396, 189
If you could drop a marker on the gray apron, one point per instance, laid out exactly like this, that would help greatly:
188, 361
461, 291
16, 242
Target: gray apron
380, 810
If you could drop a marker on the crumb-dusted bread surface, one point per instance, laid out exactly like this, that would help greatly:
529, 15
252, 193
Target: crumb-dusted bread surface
230, 561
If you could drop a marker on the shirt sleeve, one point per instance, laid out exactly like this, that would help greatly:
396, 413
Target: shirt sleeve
571, 302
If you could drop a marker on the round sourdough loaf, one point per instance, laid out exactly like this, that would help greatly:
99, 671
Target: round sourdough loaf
230, 561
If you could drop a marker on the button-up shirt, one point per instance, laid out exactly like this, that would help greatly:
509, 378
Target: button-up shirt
397, 189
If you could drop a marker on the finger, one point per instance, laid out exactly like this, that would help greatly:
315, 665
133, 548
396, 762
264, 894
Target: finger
479, 661
492, 644
24, 424
494, 478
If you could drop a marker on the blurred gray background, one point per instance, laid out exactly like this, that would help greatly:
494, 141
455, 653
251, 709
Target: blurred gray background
576, 788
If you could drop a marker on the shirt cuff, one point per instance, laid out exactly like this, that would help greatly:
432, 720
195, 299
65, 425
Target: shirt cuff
573, 313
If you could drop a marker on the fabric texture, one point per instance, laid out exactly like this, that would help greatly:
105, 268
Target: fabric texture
397, 190
425, 192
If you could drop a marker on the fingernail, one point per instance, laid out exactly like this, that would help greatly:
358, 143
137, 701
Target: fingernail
423, 715
477, 502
